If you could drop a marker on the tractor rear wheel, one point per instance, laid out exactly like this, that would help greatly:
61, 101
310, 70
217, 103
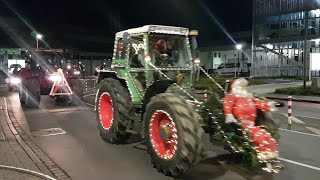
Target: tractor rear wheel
31, 92
173, 134
22, 95
77, 89
114, 107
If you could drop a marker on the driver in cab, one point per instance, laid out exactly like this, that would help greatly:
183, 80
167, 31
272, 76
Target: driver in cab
162, 53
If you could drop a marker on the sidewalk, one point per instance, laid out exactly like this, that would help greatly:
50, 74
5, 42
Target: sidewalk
271, 88
17, 161
309, 99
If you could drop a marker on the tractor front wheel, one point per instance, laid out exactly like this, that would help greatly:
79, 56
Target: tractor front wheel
113, 107
77, 89
30, 93
173, 134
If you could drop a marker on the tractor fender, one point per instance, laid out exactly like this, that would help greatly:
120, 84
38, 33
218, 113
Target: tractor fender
155, 88
107, 74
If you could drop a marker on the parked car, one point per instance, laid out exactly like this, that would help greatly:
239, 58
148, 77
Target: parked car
231, 68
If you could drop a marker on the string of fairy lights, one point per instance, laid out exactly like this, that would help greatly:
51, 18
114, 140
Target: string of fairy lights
200, 105
235, 149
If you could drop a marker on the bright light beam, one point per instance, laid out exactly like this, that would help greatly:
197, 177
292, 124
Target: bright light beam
27, 24
17, 14
216, 21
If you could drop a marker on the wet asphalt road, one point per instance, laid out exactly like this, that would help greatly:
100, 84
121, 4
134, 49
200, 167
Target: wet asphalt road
83, 155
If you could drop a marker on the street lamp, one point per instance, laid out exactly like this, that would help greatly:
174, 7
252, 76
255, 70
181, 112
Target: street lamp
238, 47
38, 36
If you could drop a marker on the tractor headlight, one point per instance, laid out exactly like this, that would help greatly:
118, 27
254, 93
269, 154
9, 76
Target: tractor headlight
15, 80
55, 78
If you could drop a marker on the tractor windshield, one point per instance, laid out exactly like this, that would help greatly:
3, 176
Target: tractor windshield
46, 59
169, 50
52, 58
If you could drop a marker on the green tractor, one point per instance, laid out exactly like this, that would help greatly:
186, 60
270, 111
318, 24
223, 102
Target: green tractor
148, 91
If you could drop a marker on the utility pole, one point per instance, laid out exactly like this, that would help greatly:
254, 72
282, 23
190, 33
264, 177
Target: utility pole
253, 53
305, 51
238, 65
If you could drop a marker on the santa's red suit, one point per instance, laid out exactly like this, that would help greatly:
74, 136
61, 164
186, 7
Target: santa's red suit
240, 105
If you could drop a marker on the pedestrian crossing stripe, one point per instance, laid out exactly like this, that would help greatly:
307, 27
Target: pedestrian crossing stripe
315, 130
296, 120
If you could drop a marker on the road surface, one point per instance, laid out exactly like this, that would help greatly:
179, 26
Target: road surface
79, 150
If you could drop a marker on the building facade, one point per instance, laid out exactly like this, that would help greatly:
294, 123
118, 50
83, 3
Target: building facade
287, 33
212, 57
281, 30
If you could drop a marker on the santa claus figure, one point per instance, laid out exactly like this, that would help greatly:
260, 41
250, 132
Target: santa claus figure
241, 106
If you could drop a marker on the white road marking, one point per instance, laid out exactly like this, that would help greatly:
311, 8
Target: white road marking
55, 134
309, 117
300, 164
93, 94
65, 110
89, 104
315, 130
298, 132
296, 120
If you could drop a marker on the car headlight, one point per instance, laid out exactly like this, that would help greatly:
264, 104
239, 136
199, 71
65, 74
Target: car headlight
55, 78
15, 80
76, 72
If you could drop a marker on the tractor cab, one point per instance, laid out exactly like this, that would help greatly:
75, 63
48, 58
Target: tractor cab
152, 55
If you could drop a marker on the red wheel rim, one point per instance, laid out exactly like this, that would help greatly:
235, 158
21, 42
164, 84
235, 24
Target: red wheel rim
163, 134
106, 110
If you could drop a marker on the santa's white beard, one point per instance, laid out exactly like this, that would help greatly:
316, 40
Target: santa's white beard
240, 92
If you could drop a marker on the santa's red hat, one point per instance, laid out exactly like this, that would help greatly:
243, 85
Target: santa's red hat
235, 83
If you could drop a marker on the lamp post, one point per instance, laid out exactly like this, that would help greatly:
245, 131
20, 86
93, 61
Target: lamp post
38, 36
238, 47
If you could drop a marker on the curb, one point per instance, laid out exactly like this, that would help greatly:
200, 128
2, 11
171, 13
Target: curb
41, 159
294, 99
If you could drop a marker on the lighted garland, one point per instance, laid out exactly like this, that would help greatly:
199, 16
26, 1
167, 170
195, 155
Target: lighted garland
238, 144
244, 145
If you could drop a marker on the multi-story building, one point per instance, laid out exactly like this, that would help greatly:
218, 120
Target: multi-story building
279, 32
287, 33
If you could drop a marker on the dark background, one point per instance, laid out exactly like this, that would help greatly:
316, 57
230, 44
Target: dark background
91, 24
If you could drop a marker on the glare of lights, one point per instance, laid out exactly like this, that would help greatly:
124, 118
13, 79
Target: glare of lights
239, 46
69, 67
76, 72
39, 36
197, 60
15, 80
55, 78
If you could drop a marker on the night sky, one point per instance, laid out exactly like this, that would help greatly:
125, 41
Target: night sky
87, 24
